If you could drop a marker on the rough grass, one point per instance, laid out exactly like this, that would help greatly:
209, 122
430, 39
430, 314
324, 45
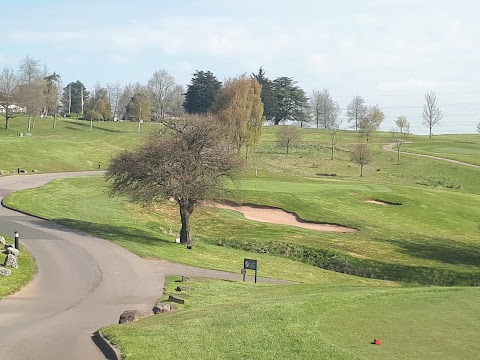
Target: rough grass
19, 277
245, 321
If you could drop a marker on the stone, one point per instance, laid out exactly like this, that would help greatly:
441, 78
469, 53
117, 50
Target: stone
164, 308
11, 261
3, 241
175, 300
13, 251
133, 315
5, 271
182, 288
186, 279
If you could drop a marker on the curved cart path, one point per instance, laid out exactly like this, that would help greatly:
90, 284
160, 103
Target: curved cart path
389, 147
83, 283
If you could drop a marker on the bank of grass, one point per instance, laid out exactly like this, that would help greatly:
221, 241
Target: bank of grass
231, 320
457, 147
19, 277
69, 147
418, 241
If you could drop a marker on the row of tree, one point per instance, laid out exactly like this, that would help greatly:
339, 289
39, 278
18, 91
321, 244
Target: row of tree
40, 92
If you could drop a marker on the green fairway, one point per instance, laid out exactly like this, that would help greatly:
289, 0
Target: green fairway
19, 277
430, 236
418, 241
246, 321
69, 147
457, 147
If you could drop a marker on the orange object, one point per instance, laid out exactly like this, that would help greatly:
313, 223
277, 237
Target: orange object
377, 342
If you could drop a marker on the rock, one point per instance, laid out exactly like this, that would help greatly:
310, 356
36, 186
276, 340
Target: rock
11, 261
182, 288
164, 308
5, 271
13, 251
186, 279
133, 315
175, 300
2, 241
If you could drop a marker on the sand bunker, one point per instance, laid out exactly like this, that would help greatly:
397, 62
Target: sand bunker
282, 217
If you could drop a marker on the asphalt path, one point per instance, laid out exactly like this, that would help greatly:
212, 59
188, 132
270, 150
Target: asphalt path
82, 284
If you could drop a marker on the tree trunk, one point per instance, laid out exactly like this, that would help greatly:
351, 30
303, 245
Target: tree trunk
29, 122
91, 124
398, 154
54, 120
186, 209
361, 170
333, 147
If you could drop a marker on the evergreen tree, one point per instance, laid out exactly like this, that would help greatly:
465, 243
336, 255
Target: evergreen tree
269, 99
201, 93
292, 103
72, 100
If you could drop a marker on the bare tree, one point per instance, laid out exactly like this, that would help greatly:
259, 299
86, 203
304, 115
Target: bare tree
333, 125
29, 70
371, 121
114, 93
400, 133
478, 127
323, 107
361, 155
9, 83
188, 161
288, 136
431, 112
163, 91
356, 111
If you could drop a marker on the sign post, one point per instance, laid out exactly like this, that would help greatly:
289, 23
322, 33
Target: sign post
17, 245
249, 264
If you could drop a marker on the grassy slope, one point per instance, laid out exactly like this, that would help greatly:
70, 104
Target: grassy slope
307, 322
70, 147
21, 276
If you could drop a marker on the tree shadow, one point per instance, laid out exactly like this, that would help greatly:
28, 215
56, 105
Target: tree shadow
86, 124
444, 250
109, 232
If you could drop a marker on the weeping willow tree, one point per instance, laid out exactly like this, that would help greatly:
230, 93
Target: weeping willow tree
239, 108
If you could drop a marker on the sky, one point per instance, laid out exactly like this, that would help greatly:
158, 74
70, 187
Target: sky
390, 52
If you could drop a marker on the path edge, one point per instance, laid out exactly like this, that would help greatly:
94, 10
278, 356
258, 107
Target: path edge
106, 347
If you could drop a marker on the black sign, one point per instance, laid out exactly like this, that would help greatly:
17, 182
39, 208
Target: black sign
250, 264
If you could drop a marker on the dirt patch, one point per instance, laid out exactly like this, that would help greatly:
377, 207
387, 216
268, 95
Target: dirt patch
278, 216
381, 202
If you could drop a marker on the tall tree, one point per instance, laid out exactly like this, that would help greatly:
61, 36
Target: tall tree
139, 107
431, 112
361, 155
164, 92
188, 162
29, 70
371, 121
114, 94
400, 133
53, 94
98, 105
239, 108
201, 93
269, 98
356, 111
288, 136
75, 96
292, 102
333, 123
9, 83
323, 108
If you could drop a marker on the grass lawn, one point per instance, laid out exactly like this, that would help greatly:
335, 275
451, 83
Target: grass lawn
418, 241
246, 321
458, 147
432, 237
19, 277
